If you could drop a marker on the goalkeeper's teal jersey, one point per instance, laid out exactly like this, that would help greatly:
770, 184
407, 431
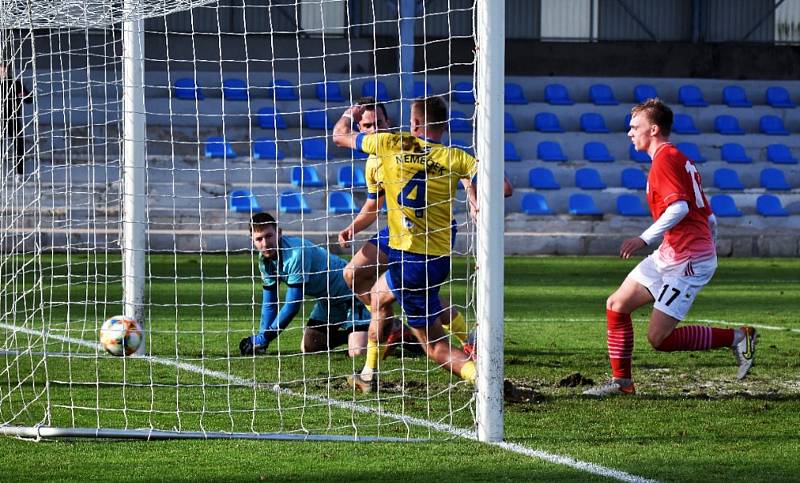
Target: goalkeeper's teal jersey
300, 262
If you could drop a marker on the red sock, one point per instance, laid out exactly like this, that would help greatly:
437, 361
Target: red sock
620, 343
696, 338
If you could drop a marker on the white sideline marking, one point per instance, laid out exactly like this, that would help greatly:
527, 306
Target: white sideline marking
441, 427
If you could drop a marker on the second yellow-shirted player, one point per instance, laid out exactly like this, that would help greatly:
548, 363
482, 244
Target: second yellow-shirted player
420, 177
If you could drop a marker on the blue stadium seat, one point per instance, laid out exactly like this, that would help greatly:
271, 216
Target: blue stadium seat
422, 89
329, 91
186, 88
375, 88
633, 178
550, 151
509, 124
770, 205
283, 90
777, 96
315, 149
773, 179
589, 179
234, 90
724, 207
317, 119
631, 205
727, 179
734, 96
265, 148
462, 93
351, 177
513, 94
691, 151
638, 156
217, 147
691, 96
243, 201
557, 94
542, 179
593, 122
293, 202
356, 154
728, 125
547, 122
463, 145
535, 204
643, 92
460, 122
684, 124
306, 176
602, 95
734, 153
627, 125
772, 125
780, 154
597, 152
341, 202
510, 152
583, 204
270, 118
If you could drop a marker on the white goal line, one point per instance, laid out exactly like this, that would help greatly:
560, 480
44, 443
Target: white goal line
585, 466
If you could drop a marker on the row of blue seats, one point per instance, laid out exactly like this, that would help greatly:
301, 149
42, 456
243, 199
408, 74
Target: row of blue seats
633, 178
235, 89
548, 122
315, 149
544, 179
592, 122
597, 152
593, 151
689, 95
341, 202
243, 201
630, 205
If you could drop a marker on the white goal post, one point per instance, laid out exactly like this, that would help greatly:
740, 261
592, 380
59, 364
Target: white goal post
150, 133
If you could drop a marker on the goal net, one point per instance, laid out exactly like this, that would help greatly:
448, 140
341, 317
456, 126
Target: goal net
148, 133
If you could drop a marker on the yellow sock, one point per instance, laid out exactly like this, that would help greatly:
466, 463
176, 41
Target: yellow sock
374, 353
458, 327
469, 372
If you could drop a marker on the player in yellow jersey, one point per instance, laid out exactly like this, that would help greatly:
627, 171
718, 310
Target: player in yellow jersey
372, 258
420, 177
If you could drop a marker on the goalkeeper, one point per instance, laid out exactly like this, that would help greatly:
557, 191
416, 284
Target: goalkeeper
338, 317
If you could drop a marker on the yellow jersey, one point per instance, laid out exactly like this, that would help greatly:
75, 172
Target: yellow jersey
419, 180
374, 176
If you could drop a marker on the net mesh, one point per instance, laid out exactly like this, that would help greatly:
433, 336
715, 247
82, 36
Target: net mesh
236, 122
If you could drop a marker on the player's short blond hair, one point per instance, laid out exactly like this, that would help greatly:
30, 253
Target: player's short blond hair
433, 110
657, 112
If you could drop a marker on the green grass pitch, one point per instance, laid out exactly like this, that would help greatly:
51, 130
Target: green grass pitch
690, 421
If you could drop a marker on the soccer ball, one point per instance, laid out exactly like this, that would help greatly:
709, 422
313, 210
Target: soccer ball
120, 335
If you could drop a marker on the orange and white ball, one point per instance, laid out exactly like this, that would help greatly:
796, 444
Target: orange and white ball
121, 335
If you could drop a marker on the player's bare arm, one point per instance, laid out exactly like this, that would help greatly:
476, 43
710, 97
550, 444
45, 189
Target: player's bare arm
343, 134
365, 218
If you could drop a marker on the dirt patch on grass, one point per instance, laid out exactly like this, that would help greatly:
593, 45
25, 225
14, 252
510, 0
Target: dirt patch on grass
574, 380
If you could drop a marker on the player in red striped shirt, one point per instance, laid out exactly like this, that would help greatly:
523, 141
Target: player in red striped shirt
672, 275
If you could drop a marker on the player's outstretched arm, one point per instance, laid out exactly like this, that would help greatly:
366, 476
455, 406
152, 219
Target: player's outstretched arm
343, 134
365, 218
291, 306
673, 215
